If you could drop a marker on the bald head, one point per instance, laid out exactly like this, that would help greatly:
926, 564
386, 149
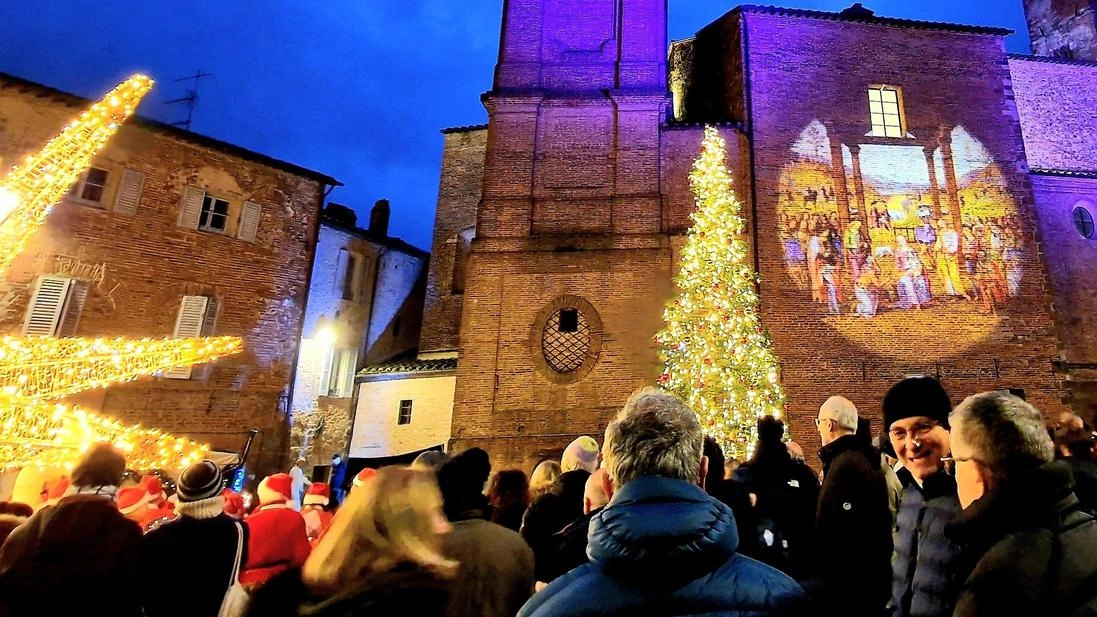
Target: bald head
594, 495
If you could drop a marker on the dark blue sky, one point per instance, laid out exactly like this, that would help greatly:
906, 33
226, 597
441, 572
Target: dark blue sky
357, 89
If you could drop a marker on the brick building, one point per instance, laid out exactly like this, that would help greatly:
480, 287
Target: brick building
365, 307
892, 150
171, 234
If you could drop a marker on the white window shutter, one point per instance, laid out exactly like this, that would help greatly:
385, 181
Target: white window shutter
192, 316
74, 307
209, 322
47, 306
325, 373
129, 192
190, 207
249, 221
350, 363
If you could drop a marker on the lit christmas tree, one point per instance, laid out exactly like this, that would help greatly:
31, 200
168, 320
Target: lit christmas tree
717, 357
37, 370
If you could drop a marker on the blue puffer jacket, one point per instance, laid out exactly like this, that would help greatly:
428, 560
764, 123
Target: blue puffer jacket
664, 547
926, 570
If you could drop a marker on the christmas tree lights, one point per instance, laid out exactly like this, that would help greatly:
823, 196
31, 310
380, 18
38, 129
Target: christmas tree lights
37, 370
716, 355
30, 191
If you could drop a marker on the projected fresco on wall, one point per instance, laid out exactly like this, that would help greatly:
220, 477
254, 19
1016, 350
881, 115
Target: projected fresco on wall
920, 233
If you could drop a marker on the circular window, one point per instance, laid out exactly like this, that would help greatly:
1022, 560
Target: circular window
1083, 221
566, 339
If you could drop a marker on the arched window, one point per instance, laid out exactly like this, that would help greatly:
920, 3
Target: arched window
1083, 219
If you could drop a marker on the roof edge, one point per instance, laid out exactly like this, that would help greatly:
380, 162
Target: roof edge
468, 128
1051, 60
1064, 173
874, 20
392, 242
183, 134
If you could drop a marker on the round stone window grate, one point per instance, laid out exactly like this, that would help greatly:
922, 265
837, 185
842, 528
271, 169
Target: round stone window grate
1083, 221
565, 340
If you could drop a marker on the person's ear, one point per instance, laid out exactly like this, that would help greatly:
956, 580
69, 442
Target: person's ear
607, 486
703, 472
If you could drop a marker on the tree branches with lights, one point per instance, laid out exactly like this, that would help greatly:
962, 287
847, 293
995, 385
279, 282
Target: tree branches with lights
35, 371
716, 355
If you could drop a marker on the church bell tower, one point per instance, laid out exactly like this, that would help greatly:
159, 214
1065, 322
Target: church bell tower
1063, 28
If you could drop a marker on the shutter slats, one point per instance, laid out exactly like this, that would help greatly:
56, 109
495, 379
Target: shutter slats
129, 192
209, 320
192, 315
46, 306
74, 308
190, 207
249, 221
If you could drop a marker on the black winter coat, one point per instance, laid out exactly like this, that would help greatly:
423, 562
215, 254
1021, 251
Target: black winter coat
1034, 549
1085, 482
73, 558
194, 554
405, 591
570, 548
926, 574
788, 494
853, 531
550, 513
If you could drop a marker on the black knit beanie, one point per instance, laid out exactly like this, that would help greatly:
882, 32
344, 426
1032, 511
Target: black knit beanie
917, 396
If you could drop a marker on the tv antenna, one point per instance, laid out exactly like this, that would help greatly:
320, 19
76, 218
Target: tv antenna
190, 100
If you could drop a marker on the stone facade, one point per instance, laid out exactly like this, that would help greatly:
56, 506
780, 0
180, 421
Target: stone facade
1063, 28
402, 408
137, 264
364, 307
585, 195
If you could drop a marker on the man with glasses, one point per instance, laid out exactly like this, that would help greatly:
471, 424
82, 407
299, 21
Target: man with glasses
853, 520
925, 577
1032, 547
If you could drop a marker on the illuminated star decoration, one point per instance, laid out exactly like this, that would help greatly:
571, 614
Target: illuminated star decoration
35, 371
717, 358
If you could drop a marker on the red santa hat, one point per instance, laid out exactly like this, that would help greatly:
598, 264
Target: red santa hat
363, 475
234, 504
319, 494
131, 499
152, 486
277, 488
57, 489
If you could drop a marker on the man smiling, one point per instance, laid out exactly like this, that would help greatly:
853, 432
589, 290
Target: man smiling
924, 566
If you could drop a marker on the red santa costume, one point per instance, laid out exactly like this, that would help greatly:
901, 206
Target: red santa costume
160, 510
317, 519
277, 538
234, 504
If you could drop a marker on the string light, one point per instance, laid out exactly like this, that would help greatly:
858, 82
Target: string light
716, 355
46, 368
37, 370
29, 192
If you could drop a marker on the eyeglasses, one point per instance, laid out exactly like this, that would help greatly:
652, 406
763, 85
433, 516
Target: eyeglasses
958, 459
819, 421
918, 431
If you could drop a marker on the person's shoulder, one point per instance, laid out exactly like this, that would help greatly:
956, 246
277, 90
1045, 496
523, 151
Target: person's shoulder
760, 579
582, 587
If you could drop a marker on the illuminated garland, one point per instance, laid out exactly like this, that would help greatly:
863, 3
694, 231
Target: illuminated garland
37, 370
30, 191
46, 368
717, 357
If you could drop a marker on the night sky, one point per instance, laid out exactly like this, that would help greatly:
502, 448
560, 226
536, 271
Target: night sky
357, 89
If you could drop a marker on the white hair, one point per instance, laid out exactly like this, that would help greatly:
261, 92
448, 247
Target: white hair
655, 434
1007, 435
842, 411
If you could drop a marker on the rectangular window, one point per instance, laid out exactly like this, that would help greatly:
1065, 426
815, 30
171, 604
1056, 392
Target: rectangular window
350, 277
569, 320
885, 105
56, 307
92, 187
405, 413
344, 363
197, 317
215, 214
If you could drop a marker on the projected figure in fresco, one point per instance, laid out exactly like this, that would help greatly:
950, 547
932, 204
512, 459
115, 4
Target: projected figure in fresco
896, 244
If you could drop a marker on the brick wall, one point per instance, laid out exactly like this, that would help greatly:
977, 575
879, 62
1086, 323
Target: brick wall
1057, 104
458, 199
140, 266
1062, 27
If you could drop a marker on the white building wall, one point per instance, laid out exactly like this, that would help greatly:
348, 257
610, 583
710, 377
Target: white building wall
376, 431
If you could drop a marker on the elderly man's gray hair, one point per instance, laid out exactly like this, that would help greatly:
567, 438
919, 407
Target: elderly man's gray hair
655, 434
1007, 435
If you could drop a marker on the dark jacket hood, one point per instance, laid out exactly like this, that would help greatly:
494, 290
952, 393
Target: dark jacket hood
659, 531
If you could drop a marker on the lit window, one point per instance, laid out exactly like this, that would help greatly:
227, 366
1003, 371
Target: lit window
1083, 221
405, 413
885, 105
92, 187
215, 214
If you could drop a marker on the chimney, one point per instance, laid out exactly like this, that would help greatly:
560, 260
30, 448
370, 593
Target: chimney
379, 218
341, 215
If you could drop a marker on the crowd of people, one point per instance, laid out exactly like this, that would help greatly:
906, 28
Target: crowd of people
985, 509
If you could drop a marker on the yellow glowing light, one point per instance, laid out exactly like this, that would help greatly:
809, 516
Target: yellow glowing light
36, 370
716, 355
44, 178
326, 336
